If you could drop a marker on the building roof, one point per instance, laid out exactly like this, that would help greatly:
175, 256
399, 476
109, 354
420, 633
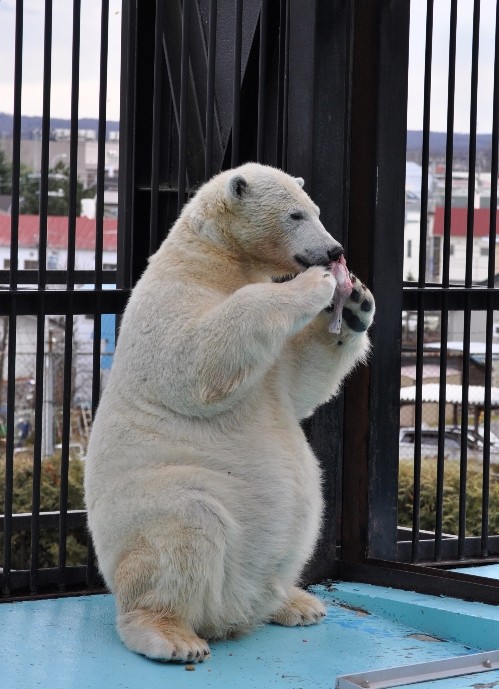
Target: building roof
453, 394
459, 221
57, 232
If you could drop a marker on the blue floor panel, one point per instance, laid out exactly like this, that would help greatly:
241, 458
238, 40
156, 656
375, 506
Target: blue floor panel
71, 643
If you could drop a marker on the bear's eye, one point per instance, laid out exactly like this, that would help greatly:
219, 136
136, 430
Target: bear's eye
296, 215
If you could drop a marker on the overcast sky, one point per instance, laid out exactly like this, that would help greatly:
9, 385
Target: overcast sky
89, 71
61, 57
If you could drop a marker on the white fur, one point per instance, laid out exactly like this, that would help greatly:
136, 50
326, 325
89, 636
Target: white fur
203, 495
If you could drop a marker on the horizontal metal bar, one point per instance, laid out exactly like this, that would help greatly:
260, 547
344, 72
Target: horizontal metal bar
448, 548
64, 301
422, 672
430, 580
47, 578
47, 520
58, 277
458, 298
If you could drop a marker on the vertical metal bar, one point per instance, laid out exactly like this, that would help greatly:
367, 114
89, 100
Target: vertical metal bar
262, 80
210, 90
16, 149
280, 81
40, 322
69, 319
37, 447
9, 450
11, 358
284, 157
444, 321
494, 169
236, 84
156, 126
128, 119
184, 83
101, 143
423, 230
449, 152
377, 180
463, 477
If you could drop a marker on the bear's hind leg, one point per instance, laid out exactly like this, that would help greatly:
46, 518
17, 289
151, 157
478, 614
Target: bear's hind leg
300, 608
167, 587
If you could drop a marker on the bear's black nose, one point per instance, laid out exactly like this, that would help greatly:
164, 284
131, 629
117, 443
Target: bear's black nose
334, 254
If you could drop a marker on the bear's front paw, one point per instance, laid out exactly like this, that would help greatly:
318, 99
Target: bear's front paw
301, 608
358, 312
315, 286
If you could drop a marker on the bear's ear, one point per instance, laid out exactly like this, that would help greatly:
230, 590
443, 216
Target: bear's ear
300, 181
237, 187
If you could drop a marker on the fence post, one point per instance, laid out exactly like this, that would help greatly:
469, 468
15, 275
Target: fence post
375, 252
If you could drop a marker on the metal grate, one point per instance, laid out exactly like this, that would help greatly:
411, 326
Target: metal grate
50, 297
320, 91
446, 296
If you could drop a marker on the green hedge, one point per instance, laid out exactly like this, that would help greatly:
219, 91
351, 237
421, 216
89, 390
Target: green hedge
49, 501
451, 497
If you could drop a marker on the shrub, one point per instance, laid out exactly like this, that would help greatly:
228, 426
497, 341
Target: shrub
450, 498
49, 501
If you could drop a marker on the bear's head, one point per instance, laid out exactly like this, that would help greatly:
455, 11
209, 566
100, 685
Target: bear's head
264, 216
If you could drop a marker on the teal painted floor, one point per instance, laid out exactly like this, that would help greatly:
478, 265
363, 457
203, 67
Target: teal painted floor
71, 643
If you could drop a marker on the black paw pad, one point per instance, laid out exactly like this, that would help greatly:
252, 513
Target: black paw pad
366, 305
353, 321
355, 296
284, 278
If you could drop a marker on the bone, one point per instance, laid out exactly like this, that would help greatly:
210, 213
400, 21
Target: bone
343, 290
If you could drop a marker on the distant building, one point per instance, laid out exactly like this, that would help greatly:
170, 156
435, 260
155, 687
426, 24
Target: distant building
31, 151
83, 326
458, 240
57, 242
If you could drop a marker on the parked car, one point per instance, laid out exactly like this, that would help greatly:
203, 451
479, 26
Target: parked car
452, 443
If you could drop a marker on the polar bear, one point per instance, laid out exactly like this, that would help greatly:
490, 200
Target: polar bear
203, 496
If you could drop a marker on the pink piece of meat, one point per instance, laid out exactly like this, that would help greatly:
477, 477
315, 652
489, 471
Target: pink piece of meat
343, 290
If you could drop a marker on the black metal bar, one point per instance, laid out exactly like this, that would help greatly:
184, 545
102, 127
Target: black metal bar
65, 439
37, 446
16, 148
75, 578
236, 84
101, 142
9, 447
69, 321
428, 580
126, 179
44, 171
262, 81
210, 89
59, 277
445, 275
184, 84
449, 150
60, 302
494, 169
280, 82
423, 231
468, 279
449, 550
452, 299
10, 317
48, 520
285, 90
156, 125
73, 145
